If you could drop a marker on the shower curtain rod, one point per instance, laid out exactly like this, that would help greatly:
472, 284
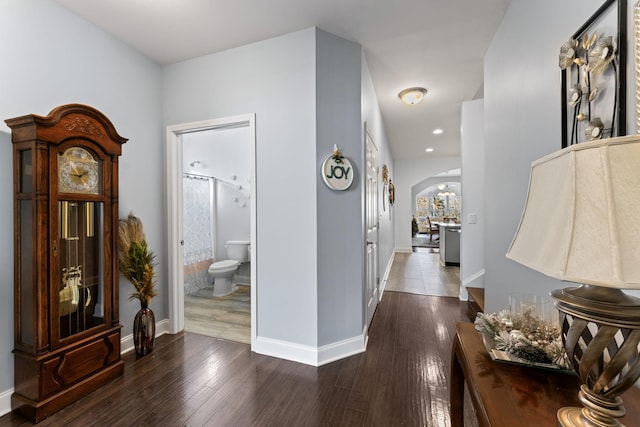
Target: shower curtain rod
196, 176
236, 187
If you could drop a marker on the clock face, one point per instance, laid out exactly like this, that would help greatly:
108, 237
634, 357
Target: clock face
78, 172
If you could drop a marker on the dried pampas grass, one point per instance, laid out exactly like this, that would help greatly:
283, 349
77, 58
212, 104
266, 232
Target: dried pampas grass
135, 260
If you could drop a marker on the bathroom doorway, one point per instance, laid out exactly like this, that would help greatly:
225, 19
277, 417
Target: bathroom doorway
211, 202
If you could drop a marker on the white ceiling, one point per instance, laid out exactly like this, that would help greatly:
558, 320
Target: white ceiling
436, 44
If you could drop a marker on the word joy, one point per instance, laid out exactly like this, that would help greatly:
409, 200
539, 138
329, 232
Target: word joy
339, 172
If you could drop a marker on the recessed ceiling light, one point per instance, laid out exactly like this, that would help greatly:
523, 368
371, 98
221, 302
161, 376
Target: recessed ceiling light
429, 150
412, 95
437, 131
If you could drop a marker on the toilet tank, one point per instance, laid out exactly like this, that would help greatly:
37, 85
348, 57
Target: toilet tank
238, 250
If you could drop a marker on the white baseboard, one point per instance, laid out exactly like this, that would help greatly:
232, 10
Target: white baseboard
285, 350
126, 343
385, 277
5, 401
309, 355
341, 349
475, 280
404, 250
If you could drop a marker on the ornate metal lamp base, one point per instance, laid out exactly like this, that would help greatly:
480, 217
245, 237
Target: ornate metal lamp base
601, 333
597, 412
573, 417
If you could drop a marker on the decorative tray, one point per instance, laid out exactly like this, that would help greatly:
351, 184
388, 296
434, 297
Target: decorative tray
505, 357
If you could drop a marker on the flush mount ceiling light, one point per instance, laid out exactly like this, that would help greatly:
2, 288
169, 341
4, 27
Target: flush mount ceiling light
412, 95
437, 131
429, 150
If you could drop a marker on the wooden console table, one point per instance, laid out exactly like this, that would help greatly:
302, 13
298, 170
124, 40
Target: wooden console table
510, 395
475, 303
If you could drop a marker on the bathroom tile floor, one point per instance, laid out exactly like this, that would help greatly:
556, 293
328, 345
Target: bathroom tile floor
229, 317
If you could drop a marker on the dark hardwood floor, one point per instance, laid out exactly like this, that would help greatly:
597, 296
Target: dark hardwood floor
194, 380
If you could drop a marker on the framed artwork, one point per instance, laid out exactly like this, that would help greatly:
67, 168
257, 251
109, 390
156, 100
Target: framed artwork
593, 63
636, 30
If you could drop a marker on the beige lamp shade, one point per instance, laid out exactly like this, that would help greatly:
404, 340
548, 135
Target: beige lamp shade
581, 221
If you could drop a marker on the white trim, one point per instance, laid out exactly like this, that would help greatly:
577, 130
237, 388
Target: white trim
174, 231
479, 275
126, 343
403, 250
365, 334
5, 401
309, 355
475, 276
285, 350
387, 271
275, 348
341, 349
174, 213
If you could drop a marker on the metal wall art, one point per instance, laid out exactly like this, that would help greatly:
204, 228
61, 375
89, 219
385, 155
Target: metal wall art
385, 186
593, 64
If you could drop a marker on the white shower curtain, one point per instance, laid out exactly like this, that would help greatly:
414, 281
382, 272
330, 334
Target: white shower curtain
197, 231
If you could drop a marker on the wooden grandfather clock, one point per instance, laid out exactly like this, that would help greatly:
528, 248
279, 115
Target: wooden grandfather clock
67, 332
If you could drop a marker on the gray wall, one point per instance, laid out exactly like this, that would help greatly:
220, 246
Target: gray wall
52, 57
305, 89
275, 79
339, 214
473, 195
372, 116
522, 123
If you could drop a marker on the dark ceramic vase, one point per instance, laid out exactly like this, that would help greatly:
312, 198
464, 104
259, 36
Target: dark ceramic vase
144, 331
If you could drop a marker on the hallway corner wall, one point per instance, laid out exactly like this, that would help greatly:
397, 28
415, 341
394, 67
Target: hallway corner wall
339, 218
473, 194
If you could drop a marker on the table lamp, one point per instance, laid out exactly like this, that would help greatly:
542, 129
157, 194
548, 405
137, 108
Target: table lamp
581, 223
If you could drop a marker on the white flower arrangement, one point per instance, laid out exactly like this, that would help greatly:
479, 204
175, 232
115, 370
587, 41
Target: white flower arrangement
524, 337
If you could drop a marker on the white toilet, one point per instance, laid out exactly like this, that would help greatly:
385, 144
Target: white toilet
222, 271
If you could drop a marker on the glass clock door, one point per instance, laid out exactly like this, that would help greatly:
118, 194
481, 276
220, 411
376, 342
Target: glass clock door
80, 284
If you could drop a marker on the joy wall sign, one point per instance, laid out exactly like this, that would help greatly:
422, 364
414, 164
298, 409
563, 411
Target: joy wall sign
337, 171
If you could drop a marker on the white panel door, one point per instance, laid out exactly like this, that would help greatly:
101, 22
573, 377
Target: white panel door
371, 224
